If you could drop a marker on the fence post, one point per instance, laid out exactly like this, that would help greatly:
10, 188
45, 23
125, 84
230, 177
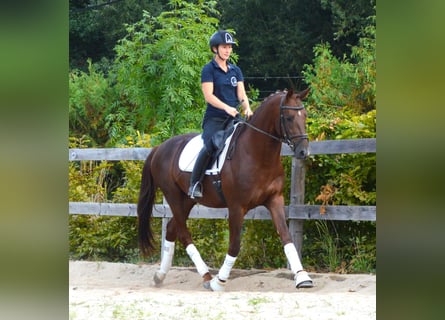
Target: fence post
297, 197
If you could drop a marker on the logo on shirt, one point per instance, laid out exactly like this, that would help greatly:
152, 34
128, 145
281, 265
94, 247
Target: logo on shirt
233, 81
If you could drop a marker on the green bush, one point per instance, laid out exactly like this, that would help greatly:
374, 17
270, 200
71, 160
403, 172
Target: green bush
103, 237
350, 81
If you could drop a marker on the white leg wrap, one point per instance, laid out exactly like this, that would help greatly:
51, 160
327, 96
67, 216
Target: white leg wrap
224, 272
167, 256
197, 260
292, 257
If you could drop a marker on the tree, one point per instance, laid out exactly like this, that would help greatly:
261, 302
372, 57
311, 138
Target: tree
158, 66
348, 20
96, 26
277, 37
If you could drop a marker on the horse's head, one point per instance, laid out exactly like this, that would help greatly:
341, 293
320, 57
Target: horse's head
293, 122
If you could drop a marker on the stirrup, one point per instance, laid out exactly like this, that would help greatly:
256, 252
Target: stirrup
195, 190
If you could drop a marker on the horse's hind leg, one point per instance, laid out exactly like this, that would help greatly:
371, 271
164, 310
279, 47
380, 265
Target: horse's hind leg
186, 239
168, 252
177, 229
236, 217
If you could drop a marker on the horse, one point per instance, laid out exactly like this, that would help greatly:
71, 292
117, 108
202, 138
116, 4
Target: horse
252, 177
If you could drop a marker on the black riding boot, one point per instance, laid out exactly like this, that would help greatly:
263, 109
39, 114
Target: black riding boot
204, 157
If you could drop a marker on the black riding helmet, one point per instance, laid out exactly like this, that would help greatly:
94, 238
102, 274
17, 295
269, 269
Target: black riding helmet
220, 37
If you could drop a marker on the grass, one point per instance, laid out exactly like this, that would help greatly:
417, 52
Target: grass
329, 245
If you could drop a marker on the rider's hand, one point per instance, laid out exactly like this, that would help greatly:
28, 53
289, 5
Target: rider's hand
232, 111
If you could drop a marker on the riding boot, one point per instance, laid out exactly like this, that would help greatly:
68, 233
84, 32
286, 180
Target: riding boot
204, 157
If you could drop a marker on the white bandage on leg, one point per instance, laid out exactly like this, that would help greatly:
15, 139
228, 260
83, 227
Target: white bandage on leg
167, 256
292, 257
224, 272
197, 260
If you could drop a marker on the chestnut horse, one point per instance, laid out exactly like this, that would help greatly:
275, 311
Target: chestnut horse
253, 176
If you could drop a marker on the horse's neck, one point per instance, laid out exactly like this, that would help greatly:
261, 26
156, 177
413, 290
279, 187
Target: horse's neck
260, 146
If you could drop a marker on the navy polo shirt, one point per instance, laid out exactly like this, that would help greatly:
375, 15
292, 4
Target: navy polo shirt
224, 86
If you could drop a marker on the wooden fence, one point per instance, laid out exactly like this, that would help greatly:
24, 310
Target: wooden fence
296, 212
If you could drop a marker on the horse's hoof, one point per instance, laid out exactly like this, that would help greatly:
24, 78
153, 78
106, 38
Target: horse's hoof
206, 280
158, 278
217, 285
302, 280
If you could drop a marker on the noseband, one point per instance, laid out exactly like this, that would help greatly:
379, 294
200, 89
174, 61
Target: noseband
289, 140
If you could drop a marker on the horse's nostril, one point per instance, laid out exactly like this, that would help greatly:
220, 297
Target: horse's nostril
302, 154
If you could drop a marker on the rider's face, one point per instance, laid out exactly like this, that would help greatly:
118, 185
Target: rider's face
225, 50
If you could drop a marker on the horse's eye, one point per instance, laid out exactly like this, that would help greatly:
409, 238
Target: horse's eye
290, 118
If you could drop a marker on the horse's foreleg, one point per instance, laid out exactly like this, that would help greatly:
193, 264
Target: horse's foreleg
302, 279
218, 283
200, 265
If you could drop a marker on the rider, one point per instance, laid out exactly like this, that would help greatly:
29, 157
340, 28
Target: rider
222, 84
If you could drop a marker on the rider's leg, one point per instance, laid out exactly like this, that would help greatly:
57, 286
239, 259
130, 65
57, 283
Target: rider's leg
204, 157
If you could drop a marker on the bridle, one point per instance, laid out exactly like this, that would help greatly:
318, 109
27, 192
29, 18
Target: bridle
291, 141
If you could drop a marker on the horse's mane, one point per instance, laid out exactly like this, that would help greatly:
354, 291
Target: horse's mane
273, 94
270, 96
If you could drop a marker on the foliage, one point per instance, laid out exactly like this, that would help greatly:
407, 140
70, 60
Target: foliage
339, 246
260, 246
277, 37
97, 111
352, 176
158, 66
96, 25
346, 82
103, 237
348, 20
267, 46
88, 104
329, 245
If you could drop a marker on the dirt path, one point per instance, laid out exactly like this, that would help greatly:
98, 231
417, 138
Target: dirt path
102, 290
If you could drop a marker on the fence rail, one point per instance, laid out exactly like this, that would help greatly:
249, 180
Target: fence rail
305, 212
296, 212
316, 147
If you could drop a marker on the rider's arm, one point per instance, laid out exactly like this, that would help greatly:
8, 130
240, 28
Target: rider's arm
242, 96
207, 90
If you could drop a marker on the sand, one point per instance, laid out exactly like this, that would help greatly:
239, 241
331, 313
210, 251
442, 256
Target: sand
103, 290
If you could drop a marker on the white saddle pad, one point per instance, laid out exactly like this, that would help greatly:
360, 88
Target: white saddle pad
191, 150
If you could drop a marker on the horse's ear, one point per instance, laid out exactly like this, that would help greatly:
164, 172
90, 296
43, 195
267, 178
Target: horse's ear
290, 93
303, 94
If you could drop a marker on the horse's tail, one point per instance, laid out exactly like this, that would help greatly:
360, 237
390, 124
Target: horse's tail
145, 207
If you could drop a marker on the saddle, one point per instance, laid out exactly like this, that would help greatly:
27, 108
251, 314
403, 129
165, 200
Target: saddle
221, 141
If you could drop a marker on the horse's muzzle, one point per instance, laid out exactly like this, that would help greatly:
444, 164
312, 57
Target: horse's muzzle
302, 150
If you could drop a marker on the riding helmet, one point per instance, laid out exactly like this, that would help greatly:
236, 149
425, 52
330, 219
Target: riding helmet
220, 37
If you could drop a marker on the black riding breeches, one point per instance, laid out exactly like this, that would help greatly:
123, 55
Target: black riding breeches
212, 125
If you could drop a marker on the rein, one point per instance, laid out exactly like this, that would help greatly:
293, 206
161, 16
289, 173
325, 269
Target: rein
286, 138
